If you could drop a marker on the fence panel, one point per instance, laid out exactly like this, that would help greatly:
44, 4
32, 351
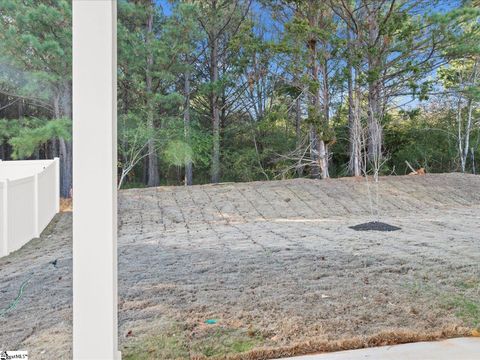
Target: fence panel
29, 199
47, 192
21, 212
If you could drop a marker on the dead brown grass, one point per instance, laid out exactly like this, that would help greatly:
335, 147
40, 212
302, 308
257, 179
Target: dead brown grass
381, 339
281, 277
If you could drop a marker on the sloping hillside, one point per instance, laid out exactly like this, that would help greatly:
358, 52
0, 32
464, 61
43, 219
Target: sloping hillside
267, 269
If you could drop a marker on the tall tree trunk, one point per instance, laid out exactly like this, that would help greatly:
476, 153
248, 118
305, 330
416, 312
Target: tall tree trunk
62, 106
472, 156
20, 107
375, 131
298, 128
215, 111
459, 132
354, 126
66, 105
145, 170
314, 110
153, 169
358, 136
318, 113
314, 113
186, 125
351, 123
315, 169
466, 146
375, 108
54, 148
323, 147
65, 150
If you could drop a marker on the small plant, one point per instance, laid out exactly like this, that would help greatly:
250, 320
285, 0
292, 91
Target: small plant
178, 153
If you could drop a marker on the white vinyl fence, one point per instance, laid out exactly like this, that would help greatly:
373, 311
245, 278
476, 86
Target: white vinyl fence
29, 199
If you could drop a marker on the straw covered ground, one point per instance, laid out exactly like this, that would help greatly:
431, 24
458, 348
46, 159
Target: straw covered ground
266, 269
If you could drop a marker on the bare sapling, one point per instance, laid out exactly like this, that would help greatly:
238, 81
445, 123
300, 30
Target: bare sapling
372, 164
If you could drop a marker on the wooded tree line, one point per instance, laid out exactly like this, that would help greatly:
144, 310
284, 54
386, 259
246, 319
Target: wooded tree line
241, 90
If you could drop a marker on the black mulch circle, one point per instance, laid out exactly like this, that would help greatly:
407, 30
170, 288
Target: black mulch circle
374, 226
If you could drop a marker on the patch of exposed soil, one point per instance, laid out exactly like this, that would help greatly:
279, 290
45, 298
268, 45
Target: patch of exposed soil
278, 277
66, 205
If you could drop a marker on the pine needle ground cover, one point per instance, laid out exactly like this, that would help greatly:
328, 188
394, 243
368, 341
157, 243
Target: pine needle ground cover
265, 269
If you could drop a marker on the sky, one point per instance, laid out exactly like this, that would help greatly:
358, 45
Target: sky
407, 101
166, 6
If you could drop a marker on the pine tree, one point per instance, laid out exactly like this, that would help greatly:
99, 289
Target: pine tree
220, 20
35, 38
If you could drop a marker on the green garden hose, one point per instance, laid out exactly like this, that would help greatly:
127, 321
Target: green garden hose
14, 303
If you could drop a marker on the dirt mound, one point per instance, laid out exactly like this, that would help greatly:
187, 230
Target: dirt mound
374, 226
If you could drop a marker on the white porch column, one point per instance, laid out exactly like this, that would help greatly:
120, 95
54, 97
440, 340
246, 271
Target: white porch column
94, 180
